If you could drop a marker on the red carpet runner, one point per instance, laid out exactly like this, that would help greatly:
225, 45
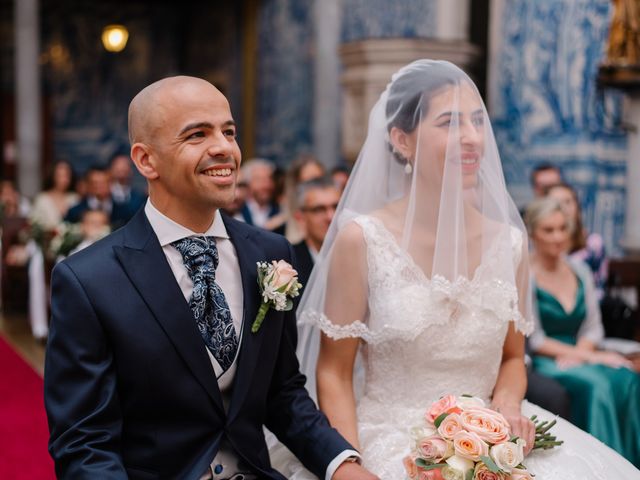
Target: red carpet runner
23, 423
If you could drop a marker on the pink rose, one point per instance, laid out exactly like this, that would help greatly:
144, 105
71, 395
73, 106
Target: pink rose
283, 274
433, 474
434, 448
410, 467
469, 445
445, 404
481, 472
519, 474
488, 424
450, 426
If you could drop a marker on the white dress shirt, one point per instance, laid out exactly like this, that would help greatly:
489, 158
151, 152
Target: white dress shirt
259, 214
227, 277
227, 274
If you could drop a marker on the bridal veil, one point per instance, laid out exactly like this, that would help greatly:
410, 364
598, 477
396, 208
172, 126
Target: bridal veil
430, 172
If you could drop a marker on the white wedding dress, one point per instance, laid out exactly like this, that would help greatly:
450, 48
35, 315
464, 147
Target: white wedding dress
425, 338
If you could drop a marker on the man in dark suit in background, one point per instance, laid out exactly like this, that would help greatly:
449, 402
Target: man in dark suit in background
152, 368
99, 197
122, 190
260, 205
317, 201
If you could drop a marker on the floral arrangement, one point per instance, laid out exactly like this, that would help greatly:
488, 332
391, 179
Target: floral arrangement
463, 440
65, 237
278, 284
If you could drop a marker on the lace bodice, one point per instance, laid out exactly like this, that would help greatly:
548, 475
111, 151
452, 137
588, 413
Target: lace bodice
425, 332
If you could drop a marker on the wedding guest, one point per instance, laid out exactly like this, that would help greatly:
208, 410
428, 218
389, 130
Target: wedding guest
234, 209
585, 246
52, 204
340, 176
543, 176
304, 168
12, 204
605, 392
93, 226
99, 197
260, 206
122, 191
317, 202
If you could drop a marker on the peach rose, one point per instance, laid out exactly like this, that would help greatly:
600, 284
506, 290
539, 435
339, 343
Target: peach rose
508, 455
445, 404
434, 448
482, 472
410, 467
450, 426
283, 274
469, 445
519, 474
488, 424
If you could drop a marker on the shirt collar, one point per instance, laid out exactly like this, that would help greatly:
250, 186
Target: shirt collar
169, 231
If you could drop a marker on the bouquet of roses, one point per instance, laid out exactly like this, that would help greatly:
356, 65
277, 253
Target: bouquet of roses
463, 440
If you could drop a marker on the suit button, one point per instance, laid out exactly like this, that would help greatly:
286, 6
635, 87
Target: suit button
218, 469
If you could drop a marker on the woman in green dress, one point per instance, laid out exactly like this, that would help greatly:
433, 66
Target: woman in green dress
604, 390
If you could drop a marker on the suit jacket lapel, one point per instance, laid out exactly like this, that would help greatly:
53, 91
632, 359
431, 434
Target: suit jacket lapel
146, 266
248, 255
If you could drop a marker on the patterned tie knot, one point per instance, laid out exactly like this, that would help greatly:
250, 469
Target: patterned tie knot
208, 303
199, 254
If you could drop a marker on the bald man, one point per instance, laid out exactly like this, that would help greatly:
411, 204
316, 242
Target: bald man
152, 370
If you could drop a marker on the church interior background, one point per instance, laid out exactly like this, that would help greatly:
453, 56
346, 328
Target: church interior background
301, 76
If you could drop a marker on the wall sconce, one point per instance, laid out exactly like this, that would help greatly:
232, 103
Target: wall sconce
114, 38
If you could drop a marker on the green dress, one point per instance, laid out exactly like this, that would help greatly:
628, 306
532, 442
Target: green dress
605, 401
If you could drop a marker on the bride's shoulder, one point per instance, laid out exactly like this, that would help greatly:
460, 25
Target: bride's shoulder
351, 235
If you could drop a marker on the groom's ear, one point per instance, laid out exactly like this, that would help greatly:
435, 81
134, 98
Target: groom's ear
141, 154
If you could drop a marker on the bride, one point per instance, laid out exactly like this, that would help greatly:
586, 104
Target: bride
422, 285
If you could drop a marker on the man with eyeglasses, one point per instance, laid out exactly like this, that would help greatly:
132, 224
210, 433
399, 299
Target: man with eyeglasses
317, 201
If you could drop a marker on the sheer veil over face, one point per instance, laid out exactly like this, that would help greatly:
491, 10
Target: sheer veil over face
429, 172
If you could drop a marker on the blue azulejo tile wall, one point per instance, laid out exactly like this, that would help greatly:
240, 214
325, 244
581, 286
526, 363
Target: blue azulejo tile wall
548, 107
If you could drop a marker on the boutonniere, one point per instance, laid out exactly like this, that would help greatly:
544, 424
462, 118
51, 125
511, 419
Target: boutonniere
278, 284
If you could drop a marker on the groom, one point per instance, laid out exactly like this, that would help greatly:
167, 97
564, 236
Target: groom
152, 370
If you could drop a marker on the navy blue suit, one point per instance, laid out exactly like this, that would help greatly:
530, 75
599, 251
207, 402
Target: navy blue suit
121, 213
129, 389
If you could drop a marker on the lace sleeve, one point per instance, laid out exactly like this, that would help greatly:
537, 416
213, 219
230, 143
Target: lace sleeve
522, 315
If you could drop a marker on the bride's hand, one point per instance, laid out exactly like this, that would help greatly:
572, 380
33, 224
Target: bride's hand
521, 426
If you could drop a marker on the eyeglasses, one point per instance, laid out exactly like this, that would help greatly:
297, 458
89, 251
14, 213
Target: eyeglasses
316, 209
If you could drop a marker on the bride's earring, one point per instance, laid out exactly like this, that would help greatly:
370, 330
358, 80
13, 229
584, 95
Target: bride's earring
408, 168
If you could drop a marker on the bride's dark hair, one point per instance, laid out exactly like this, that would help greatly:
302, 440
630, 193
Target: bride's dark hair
410, 93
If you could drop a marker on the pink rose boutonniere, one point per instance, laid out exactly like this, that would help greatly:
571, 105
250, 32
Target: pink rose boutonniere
278, 284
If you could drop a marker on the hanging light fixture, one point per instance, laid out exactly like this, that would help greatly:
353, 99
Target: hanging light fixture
114, 38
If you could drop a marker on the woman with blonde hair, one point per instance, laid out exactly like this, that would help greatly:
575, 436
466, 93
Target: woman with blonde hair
604, 391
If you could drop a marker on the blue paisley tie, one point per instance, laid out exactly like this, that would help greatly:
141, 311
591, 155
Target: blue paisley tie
208, 303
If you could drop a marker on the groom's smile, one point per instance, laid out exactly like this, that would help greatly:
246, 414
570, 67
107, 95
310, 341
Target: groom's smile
190, 155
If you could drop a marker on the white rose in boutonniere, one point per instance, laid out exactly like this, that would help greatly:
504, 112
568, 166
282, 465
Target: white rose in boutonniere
278, 283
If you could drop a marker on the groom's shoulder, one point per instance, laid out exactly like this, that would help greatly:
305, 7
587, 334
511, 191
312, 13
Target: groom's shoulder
96, 253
